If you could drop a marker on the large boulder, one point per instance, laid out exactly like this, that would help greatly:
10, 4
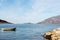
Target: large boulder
53, 35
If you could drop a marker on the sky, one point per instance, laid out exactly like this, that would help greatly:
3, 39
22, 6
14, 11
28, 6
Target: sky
28, 11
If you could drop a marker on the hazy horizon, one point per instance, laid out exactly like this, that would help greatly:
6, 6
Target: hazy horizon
25, 11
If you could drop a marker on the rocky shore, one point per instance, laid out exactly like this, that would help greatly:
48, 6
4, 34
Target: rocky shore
53, 35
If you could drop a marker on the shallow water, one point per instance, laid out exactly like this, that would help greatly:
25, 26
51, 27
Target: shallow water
26, 31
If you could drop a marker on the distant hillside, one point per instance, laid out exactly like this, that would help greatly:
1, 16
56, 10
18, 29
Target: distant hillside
52, 20
4, 22
28, 23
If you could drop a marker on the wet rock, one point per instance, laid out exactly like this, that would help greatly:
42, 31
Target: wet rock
53, 35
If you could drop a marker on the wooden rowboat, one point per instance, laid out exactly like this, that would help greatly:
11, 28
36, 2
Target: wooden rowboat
8, 29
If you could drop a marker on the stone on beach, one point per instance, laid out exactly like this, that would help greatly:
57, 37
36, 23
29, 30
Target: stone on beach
53, 35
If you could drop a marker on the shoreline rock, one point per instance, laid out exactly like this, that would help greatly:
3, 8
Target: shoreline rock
53, 35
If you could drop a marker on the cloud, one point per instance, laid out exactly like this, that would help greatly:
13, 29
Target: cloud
22, 11
43, 9
14, 12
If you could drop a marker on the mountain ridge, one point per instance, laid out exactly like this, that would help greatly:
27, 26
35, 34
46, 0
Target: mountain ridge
51, 20
4, 22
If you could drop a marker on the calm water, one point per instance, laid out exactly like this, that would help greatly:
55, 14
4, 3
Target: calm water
27, 31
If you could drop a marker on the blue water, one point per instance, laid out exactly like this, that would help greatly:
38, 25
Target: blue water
26, 31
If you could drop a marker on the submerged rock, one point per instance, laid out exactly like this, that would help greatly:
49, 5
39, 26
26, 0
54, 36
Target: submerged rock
8, 29
53, 35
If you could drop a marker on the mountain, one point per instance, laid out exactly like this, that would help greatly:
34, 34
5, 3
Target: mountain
51, 20
4, 22
28, 23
